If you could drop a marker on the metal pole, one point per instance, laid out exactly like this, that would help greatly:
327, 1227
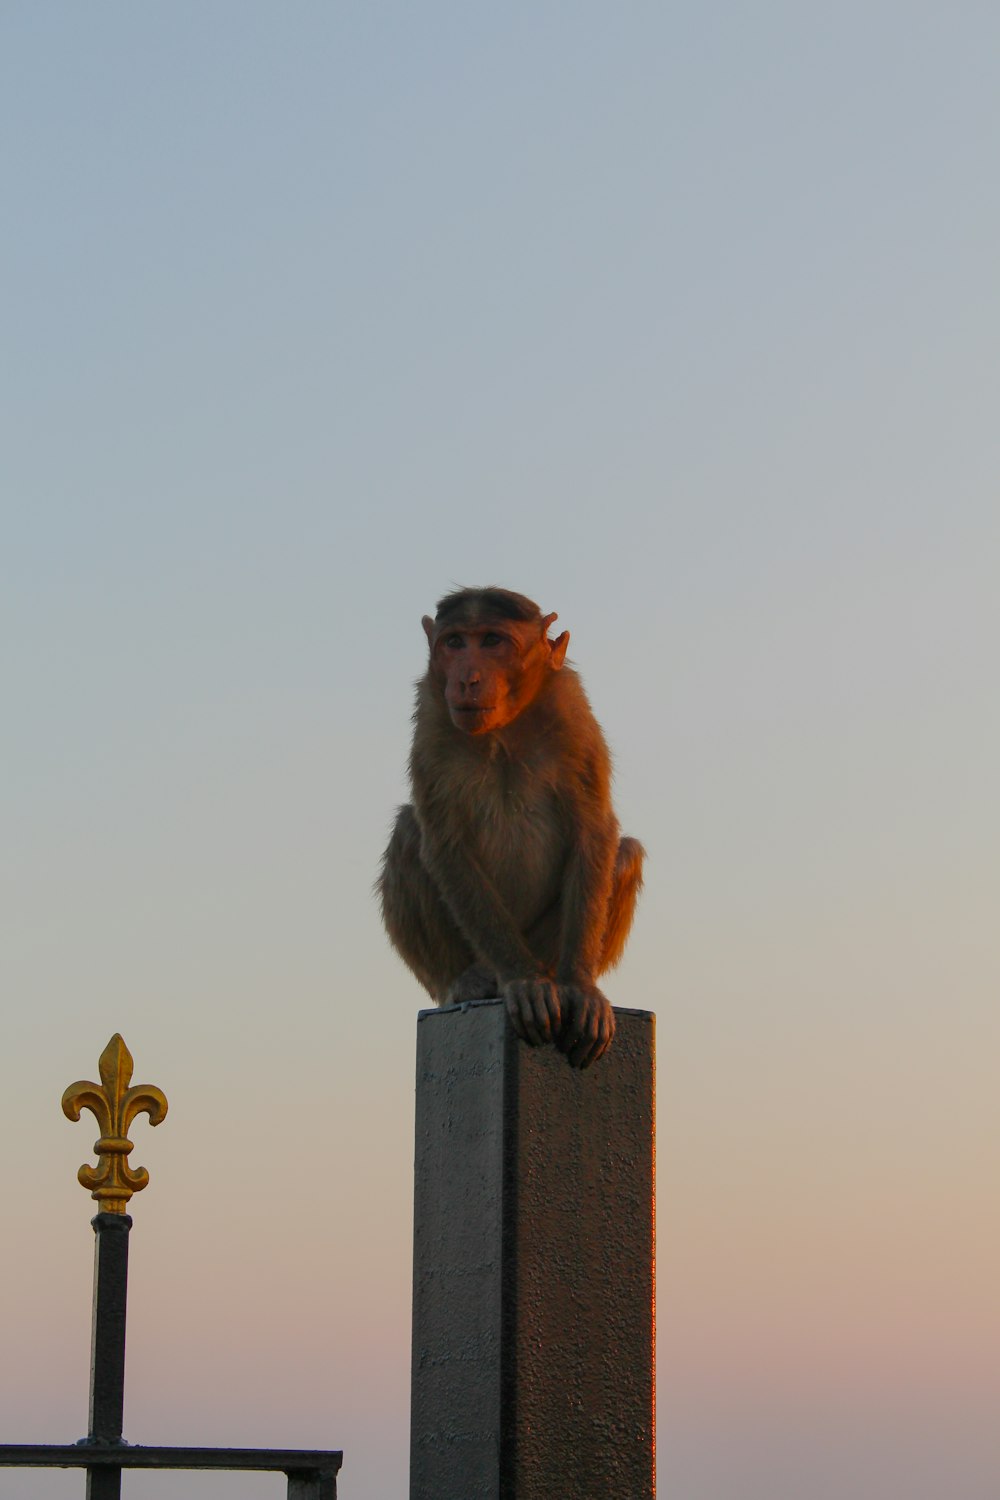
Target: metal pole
107, 1347
114, 1104
318, 1484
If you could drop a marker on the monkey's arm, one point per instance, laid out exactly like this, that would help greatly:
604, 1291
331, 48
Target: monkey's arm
532, 998
588, 1020
478, 908
586, 892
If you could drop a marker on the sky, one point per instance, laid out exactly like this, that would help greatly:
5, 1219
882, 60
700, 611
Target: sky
682, 320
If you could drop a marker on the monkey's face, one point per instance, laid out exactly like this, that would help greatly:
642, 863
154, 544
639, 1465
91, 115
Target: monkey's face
489, 672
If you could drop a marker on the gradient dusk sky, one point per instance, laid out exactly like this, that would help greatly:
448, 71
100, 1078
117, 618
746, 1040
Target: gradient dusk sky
685, 321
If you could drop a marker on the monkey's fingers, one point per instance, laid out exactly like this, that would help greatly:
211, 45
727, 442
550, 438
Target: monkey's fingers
545, 998
533, 1007
605, 1036
590, 1028
520, 1011
542, 1001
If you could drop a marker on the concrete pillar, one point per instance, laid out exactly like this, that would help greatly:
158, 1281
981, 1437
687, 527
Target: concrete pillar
533, 1280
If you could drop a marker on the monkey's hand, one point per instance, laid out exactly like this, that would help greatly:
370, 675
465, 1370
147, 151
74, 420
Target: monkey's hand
533, 1007
588, 1023
478, 982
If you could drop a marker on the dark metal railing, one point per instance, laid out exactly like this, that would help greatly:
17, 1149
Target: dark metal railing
311, 1473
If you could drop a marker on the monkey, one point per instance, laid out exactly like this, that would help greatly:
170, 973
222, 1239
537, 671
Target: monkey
506, 876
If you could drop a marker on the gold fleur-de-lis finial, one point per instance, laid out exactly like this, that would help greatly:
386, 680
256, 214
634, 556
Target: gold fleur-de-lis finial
112, 1182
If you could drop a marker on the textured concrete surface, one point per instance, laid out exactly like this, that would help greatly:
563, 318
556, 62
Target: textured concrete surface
533, 1265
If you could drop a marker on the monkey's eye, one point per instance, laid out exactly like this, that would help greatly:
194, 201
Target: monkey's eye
455, 641
491, 638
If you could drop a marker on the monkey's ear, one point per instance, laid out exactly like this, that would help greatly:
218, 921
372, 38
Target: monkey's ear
428, 625
558, 653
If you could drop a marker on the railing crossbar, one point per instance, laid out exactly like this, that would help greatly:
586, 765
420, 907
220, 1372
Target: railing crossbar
311, 1473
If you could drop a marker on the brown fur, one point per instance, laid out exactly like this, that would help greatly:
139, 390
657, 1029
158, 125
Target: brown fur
507, 874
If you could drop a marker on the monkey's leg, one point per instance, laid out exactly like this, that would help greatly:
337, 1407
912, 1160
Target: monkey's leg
621, 907
478, 982
543, 937
418, 923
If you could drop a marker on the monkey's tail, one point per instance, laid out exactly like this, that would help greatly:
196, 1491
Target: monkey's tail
625, 893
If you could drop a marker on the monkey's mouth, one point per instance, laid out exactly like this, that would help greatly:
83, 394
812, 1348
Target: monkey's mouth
471, 716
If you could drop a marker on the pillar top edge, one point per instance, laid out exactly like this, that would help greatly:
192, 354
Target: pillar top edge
450, 1010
